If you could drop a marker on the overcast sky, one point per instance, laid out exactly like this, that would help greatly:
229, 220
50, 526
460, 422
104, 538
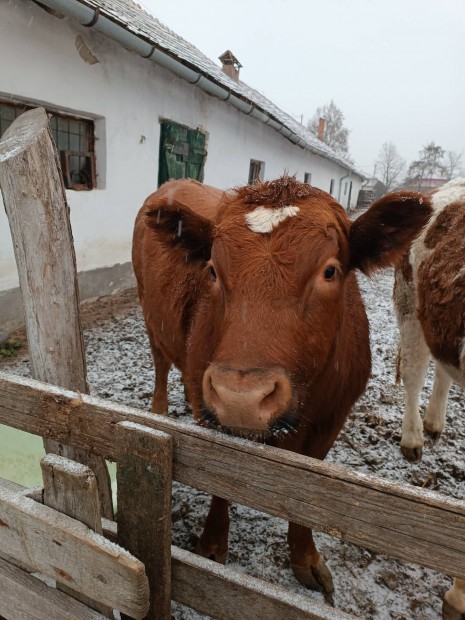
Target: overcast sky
395, 68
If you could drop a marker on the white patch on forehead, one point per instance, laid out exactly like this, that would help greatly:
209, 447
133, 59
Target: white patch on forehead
263, 219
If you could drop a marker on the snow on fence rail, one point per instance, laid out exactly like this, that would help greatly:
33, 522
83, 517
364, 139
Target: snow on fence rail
142, 452
411, 524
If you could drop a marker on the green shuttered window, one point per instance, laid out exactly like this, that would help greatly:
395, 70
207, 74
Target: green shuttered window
182, 152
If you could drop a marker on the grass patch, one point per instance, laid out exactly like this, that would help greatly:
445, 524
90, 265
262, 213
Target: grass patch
9, 348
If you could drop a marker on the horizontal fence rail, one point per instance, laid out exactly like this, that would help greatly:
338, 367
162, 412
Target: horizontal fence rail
405, 522
211, 588
46, 541
25, 594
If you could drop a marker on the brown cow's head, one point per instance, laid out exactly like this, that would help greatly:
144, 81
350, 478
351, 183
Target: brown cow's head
280, 325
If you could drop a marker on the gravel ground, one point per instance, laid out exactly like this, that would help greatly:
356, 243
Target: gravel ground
368, 585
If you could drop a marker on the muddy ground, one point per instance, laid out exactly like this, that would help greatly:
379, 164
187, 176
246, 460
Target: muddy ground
368, 585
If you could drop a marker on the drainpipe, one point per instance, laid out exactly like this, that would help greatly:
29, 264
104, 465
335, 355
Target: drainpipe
340, 186
92, 18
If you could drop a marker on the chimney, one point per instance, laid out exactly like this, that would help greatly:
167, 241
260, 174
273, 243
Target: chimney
321, 129
231, 65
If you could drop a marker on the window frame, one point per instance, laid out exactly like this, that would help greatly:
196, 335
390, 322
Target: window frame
257, 178
63, 154
308, 178
66, 170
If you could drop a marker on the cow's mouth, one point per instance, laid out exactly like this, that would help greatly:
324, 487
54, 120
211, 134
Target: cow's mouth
283, 426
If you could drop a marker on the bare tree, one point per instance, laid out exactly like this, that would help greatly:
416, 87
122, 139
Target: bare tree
336, 135
452, 163
427, 166
389, 166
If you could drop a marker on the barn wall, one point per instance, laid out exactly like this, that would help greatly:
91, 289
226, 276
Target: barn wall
126, 96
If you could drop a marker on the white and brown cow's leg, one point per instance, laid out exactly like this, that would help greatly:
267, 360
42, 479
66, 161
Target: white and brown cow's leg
306, 562
435, 414
213, 543
414, 359
454, 601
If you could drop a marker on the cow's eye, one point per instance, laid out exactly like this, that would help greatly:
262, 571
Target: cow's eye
212, 272
330, 272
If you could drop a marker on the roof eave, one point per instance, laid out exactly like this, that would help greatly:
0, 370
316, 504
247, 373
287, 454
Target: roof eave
106, 23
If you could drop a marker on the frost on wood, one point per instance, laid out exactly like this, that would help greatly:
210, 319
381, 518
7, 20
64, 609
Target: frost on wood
66, 550
72, 467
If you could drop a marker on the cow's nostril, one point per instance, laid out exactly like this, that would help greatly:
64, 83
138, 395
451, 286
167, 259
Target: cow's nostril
214, 396
270, 395
274, 400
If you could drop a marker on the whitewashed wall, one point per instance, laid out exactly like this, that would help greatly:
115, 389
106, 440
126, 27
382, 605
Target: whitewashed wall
126, 96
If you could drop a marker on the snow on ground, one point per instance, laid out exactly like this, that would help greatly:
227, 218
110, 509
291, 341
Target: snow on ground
367, 584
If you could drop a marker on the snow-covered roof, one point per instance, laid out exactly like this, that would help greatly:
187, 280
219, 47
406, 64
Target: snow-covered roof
130, 16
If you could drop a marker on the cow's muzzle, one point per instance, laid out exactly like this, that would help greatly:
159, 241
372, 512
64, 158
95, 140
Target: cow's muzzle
251, 400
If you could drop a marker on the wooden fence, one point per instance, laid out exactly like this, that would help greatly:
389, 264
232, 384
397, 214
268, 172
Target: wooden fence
410, 524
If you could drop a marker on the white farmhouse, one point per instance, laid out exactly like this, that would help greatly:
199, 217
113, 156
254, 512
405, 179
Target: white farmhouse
133, 104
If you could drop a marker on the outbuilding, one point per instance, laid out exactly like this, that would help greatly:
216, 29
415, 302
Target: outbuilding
133, 104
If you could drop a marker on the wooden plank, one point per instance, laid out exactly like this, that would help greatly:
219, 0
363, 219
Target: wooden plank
15, 488
23, 597
71, 488
405, 522
144, 508
66, 550
221, 592
35, 203
36, 493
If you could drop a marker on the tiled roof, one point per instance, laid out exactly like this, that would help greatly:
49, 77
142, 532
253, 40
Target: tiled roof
136, 20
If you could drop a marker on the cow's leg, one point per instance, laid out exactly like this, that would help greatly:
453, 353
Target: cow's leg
213, 543
435, 414
414, 358
160, 395
306, 562
454, 601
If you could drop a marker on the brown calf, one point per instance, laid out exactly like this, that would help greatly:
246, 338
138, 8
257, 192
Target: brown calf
253, 296
429, 297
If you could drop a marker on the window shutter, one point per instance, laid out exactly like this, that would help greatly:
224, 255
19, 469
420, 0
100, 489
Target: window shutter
182, 152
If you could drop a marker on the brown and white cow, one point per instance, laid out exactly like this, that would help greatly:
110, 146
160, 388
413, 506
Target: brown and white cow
429, 297
253, 296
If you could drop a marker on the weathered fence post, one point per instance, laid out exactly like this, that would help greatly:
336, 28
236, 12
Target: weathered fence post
35, 202
71, 488
144, 476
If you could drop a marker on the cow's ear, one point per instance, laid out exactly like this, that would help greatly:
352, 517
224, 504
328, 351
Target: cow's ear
381, 236
178, 226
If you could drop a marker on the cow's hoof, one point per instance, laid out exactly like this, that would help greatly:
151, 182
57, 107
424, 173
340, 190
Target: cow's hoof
412, 454
434, 434
315, 577
450, 613
211, 552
